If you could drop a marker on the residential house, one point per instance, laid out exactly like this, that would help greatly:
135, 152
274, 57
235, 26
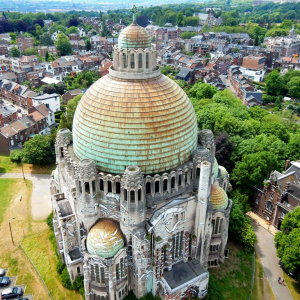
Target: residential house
70, 95
278, 195
25, 43
8, 114
186, 75
53, 101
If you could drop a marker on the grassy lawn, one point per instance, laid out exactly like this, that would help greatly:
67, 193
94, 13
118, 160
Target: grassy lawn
261, 288
293, 286
35, 239
235, 274
6, 166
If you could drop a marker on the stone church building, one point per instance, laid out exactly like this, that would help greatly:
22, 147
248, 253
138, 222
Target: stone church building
139, 200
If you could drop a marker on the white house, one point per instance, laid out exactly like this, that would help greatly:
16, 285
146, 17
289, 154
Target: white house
255, 75
54, 35
81, 31
52, 100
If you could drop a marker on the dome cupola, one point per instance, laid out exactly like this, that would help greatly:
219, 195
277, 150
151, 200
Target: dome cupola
105, 239
218, 197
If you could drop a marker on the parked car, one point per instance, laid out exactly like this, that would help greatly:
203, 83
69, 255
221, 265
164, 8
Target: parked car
11, 293
2, 272
22, 299
4, 281
281, 265
12, 106
19, 110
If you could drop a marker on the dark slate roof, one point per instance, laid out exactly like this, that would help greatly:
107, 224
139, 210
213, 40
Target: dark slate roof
183, 72
65, 208
182, 272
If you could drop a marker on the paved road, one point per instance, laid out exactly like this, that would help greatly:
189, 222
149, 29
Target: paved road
41, 200
7, 102
266, 251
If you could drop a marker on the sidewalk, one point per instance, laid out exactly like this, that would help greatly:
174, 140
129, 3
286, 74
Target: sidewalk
262, 222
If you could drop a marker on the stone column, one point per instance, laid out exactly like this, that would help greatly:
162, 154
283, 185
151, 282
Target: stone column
116, 59
144, 61
128, 60
136, 61
121, 61
186, 247
170, 253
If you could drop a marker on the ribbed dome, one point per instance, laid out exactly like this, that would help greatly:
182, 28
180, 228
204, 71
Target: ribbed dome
218, 197
146, 123
134, 37
223, 171
105, 239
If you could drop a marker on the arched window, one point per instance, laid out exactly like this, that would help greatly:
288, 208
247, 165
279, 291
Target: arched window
132, 196
139, 194
109, 186
147, 60
148, 187
198, 173
179, 180
140, 60
125, 195
132, 61
118, 187
157, 186
125, 60
101, 185
173, 182
165, 187
186, 176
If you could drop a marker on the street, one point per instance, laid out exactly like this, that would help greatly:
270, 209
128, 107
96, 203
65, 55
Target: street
266, 252
15, 105
41, 199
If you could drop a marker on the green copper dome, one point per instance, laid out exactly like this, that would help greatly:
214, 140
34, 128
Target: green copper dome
134, 37
147, 123
216, 168
223, 172
105, 239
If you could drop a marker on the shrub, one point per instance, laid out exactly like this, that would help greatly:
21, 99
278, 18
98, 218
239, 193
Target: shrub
16, 156
49, 220
60, 266
65, 279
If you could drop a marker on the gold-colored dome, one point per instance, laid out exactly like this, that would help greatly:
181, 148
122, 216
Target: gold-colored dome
218, 197
105, 239
134, 37
129, 122
223, 172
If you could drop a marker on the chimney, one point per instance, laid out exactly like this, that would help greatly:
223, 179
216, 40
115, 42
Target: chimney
287, 162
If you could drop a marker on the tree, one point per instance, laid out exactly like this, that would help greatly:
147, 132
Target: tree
224, 148
205, 28
89, 78
13, 36
6, 25
67, 118
48, 89
39, 22
46, 39
73, 22
63, 44
274, 83
46, 56
294, 87
38, 31
27, 83
287, 241
31, 29
179, 19
72, 29
253, 169
202, 90
292, 147
191, 21
153, 17
31, 51
88, 45
142, 21
104, 30
39, 150
14, 52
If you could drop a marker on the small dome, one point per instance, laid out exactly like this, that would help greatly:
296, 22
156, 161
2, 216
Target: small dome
223, 172
216, 168
134, 37
218, 197
105, 239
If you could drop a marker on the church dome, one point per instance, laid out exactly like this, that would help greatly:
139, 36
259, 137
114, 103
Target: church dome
223, 172
218, 197
134, 37
105, 239
146, 123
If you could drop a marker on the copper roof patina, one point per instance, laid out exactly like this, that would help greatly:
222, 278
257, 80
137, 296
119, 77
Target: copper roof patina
105, 239
134, 37
147, 123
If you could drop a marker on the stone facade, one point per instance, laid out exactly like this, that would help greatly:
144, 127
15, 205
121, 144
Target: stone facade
132, 230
